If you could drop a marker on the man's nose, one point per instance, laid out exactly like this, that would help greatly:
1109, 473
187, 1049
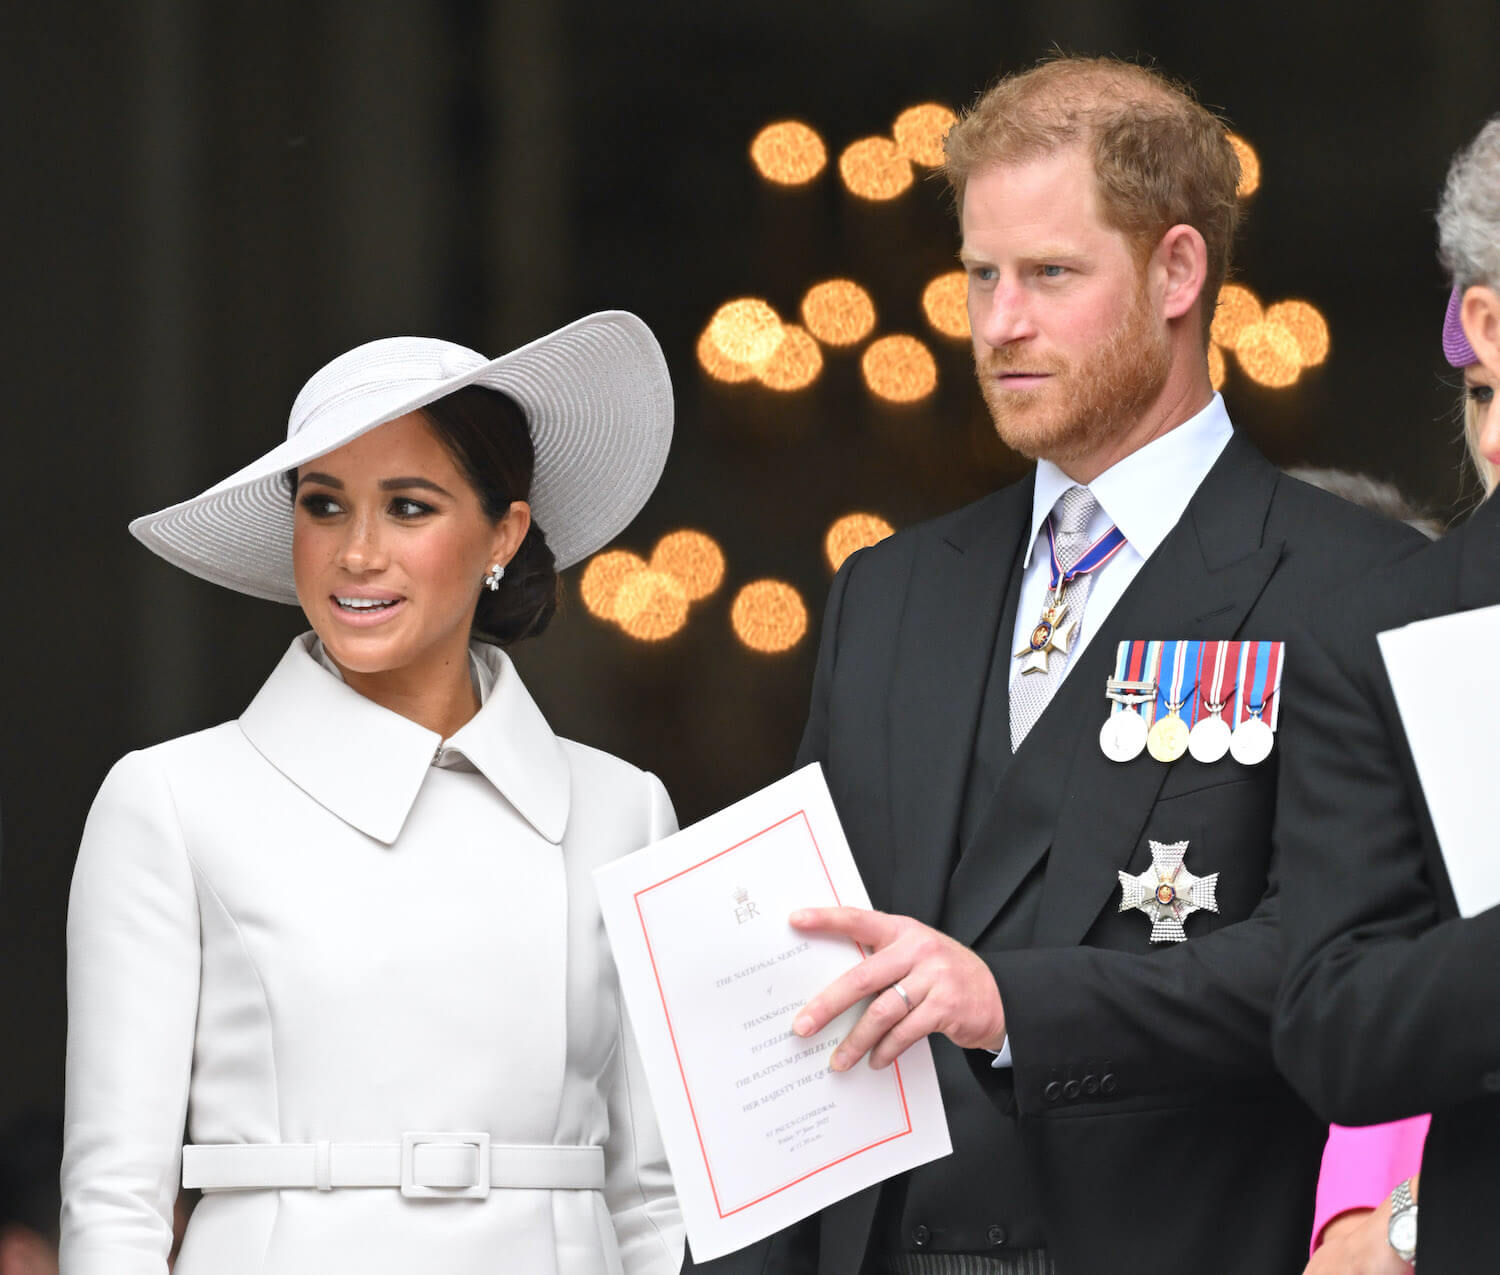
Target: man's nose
1004, 317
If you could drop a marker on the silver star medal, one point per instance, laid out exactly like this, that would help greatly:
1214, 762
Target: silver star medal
1167, 892
1050, 634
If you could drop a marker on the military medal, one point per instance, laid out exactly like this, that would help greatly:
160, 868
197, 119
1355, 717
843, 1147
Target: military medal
1054, 632
1167, 892
1122, 738
1260, 686
1168, 737
1208, 741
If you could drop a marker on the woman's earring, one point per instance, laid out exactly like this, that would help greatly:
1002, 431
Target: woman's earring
492, 580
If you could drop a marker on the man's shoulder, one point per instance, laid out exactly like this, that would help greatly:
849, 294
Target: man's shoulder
957, 527
1304, 515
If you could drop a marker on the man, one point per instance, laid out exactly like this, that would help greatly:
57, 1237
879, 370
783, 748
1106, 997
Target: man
1133, 1120
1389, 1006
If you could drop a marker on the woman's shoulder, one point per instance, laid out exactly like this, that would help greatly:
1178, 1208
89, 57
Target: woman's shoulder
601, 781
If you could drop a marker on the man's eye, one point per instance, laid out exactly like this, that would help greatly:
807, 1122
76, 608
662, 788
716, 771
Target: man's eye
318, 505
1054, 272
985, 274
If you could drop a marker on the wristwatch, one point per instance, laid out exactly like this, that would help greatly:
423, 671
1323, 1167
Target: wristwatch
1402, 1228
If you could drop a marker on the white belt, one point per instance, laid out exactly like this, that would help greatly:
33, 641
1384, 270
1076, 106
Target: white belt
445, 1165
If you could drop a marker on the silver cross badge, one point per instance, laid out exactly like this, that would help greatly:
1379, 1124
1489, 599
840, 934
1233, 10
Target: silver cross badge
1167, 892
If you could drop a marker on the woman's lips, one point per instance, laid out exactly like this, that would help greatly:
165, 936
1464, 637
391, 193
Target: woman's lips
365, 612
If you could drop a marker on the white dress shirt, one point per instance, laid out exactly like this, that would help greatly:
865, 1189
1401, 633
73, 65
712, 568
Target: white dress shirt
1143, 495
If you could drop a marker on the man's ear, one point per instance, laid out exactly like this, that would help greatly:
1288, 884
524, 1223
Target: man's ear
1181, 268
1480, 314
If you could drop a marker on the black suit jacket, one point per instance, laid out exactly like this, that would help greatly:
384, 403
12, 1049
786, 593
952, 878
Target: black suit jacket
1143, 1127
1391, 1005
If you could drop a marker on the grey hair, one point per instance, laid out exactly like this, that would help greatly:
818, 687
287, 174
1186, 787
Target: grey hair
1468, 214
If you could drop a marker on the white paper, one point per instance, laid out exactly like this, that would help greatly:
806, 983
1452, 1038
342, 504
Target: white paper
1454, 733
759, 1132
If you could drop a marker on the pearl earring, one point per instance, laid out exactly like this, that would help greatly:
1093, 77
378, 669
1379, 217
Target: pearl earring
492, 580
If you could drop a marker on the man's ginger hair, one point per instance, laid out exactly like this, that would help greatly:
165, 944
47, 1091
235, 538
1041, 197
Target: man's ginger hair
1160, 158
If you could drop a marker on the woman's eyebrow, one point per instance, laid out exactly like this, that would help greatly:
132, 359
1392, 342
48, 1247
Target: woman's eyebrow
399, 484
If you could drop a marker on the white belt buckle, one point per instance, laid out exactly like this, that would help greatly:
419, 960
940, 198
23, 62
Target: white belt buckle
413, 1190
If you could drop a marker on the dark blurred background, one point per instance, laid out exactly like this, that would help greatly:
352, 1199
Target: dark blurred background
205, 202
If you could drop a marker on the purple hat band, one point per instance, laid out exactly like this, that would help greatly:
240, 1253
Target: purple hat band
1456, 347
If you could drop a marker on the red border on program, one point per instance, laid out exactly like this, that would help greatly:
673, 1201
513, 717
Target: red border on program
671, 1031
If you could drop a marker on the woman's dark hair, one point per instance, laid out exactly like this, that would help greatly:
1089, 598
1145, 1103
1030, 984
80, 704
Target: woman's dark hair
486, 433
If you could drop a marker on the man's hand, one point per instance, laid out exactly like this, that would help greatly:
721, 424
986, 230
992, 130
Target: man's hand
950, 989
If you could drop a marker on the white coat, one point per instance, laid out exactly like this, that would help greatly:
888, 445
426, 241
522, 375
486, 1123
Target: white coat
297, 928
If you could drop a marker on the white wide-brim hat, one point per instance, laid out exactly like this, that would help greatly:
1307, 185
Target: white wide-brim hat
598, 401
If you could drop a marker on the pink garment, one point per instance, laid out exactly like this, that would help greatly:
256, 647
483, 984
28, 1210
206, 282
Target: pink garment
1362, 1166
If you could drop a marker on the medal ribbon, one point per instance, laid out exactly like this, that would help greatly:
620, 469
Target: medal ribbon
1094, 557
1225, 656
1176, 653
1260, 681
1130, 664
1151, 673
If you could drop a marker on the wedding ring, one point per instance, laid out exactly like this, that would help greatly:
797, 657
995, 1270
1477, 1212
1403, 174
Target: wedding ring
901, 992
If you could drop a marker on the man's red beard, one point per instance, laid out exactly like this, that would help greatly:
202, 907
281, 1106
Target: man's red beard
1076, 412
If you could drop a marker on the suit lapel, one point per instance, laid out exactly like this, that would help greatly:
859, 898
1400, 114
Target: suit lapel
1061, 797
957, 591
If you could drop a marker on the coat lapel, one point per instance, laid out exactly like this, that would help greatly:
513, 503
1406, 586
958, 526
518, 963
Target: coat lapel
953, 605
1061, 797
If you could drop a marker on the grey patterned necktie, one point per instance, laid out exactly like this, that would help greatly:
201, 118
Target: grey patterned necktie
1031, 692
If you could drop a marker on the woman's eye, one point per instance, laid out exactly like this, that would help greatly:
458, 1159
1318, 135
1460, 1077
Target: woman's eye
1481, 394
404, 508
319, 506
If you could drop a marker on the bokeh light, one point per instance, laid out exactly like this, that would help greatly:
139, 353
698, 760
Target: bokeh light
919, 133
746, 331
788, 153
1249, 166
1238, 308
769, 616
873, 168
603, 577
838, 312
945, 301
796, 363
1217, 370
711, 359
1269, 355
651, 605
1304, 321
851, 532
900, 369
694, 559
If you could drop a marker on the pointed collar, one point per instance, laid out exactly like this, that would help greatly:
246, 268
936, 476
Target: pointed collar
1145, 493
367, 764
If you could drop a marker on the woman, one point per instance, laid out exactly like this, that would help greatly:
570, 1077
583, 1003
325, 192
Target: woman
351, 937
1388, 1006
1362, 1166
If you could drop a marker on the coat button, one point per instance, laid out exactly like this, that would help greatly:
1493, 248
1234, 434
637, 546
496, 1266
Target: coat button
996, 1235
1052, 1092
1091, 1085
1492, 1082
1071, 1090
1108, 1083
920, 1236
